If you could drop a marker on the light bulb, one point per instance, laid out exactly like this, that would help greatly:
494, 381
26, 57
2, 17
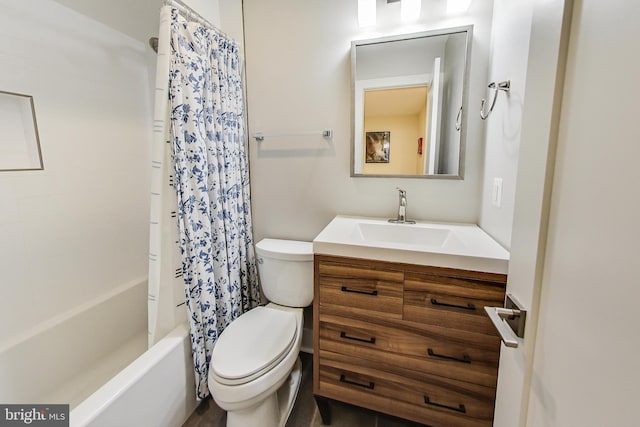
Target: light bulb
458, 6
410, 10
366, 13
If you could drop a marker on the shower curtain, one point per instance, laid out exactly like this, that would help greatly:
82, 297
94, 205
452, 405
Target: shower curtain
209, 151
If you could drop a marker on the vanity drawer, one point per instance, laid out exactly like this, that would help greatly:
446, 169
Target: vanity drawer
451, 302
461, 355
429, 399
366, 290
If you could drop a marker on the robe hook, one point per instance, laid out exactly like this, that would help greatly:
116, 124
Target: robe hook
505, 86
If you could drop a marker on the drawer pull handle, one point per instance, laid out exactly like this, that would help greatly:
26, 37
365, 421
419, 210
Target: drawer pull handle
471, 307
460, 407
371, 340
370, 386
465, 357
358, 291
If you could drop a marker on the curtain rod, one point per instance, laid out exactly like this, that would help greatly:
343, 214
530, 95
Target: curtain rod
192, 14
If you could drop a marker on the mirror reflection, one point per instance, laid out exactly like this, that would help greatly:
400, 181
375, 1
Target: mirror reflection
408, 104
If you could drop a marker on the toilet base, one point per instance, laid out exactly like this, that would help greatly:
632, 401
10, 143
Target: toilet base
275, 409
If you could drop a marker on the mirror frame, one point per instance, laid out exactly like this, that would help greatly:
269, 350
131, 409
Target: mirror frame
468, 29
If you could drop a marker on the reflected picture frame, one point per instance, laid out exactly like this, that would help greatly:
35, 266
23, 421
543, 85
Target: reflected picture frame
377, 146
19, 141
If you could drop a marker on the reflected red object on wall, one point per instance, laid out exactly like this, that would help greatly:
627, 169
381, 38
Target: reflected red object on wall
419, 145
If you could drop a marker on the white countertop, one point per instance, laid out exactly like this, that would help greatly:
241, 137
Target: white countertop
452, 245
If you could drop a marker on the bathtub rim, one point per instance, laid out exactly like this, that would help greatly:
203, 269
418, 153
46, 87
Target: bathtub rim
61, 318
94, 405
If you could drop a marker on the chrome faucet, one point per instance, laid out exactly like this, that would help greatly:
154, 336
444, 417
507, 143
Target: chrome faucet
402, 208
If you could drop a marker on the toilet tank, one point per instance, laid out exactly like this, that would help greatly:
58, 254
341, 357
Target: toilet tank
286, 271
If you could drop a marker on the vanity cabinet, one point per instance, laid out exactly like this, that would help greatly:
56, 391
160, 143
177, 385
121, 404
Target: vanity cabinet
406, 340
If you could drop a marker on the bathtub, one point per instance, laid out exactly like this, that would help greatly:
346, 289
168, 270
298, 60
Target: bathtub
95, 359
69, 357
157, 389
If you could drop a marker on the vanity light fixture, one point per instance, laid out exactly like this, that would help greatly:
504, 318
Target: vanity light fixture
458, 6
366, 13
409, 11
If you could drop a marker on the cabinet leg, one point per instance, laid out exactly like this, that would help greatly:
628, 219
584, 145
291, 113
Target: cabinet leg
324, 409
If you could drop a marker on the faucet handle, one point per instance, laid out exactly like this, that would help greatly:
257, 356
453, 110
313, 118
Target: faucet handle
402, 192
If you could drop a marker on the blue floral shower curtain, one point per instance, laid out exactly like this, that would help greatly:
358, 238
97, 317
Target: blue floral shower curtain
212, 184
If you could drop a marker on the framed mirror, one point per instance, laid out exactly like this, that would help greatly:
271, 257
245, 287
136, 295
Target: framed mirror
20, 144
409, 96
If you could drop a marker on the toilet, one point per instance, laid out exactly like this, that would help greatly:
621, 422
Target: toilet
255, 371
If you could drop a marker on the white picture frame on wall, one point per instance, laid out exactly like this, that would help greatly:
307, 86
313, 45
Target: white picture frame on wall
19, 140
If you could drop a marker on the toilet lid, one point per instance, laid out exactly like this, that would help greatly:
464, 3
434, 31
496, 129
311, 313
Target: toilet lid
252, 344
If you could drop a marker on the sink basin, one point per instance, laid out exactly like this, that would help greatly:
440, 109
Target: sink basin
411, 234
449, 245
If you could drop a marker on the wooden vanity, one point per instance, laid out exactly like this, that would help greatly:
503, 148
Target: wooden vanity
411, 341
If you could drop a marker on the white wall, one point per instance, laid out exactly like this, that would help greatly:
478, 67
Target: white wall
230, 12
209, 9
78, 229
509, 57
298, 79
586, 360
138, 19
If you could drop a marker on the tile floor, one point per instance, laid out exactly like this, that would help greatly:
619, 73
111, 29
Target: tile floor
304, 413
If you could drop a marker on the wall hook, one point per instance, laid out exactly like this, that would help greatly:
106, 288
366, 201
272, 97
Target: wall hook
505, 86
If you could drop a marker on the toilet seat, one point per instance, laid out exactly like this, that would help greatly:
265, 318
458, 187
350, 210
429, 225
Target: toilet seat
252, 345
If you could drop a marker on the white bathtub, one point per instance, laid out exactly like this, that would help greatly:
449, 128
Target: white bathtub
69, 357
157, 389
95, 359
